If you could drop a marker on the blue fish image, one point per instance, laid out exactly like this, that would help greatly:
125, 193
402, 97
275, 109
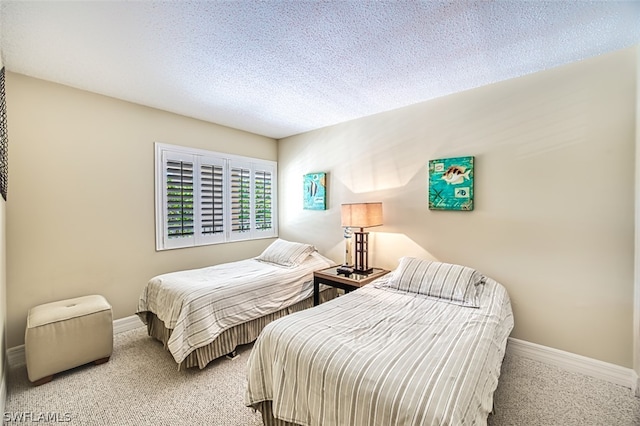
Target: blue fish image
455, 175
313, 189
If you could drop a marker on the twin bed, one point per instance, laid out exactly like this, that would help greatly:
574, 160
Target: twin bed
422, 345
203, 314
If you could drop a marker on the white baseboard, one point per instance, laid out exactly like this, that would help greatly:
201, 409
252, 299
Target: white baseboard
127, 324
576, 363
15, 355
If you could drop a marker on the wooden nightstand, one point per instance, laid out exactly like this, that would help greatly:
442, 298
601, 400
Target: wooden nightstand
331, 277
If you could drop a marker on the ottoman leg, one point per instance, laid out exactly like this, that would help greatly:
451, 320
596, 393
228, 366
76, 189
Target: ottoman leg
101, 360
43, 380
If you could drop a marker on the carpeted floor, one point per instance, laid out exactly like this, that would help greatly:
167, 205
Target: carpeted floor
141, 385
536, 394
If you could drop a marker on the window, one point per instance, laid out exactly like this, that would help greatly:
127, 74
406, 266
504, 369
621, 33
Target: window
205, 197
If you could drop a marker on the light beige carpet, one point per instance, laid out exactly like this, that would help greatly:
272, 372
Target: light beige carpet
537, 394
141, 385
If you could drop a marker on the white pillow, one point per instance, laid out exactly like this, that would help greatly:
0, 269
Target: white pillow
286, 253
454, 283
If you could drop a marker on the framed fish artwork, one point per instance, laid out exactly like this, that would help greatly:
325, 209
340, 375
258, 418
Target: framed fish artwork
451, 184
315, 191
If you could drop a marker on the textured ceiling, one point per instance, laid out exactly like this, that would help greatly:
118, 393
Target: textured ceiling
278, 68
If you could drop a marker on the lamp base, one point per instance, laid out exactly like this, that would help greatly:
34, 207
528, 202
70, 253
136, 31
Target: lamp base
362, 253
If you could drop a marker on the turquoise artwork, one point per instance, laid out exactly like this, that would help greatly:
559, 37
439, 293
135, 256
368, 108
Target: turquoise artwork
315, 191
451, 184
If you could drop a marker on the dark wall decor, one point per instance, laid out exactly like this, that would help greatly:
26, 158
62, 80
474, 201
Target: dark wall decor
4, 141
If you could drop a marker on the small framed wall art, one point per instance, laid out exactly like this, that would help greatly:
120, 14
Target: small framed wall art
315, 191
451, 184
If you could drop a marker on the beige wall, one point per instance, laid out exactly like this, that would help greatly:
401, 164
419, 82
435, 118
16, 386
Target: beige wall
554, 195
81, 211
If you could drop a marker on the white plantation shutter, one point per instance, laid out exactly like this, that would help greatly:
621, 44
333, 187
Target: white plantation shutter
241, 206
178, 200
252, 190
211, 224
263, 187
208, 198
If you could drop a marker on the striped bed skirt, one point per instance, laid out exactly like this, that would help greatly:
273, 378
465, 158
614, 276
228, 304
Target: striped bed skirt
229, 339
267, 415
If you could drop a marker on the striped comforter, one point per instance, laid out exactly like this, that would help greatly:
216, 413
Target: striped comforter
199, 304
383, 357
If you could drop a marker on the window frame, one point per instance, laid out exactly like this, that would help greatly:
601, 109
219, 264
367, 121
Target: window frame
165, 153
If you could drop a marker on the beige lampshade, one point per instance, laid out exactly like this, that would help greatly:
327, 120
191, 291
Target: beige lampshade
362, 215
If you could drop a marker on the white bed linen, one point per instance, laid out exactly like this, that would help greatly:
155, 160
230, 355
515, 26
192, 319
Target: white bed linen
382, 357
199, 304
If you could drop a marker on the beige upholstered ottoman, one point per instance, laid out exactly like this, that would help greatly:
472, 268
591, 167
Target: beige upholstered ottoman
66, 334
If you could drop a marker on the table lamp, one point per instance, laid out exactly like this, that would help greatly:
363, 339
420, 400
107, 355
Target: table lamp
361, 215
